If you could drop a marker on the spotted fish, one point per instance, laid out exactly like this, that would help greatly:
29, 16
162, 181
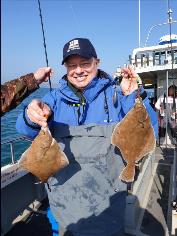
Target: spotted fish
135, 138
44, 157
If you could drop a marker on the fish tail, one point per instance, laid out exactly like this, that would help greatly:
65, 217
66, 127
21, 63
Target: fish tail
128, 173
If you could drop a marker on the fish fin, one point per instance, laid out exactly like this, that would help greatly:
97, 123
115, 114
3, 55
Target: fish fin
64, 160
22, 158
128, 173
114, 134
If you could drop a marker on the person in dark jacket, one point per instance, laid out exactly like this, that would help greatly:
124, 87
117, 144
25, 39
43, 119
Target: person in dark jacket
15, 91
86, 197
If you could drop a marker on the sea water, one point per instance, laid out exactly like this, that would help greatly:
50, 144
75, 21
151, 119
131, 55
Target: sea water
8, 130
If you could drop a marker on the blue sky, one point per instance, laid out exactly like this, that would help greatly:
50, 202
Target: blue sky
111, 25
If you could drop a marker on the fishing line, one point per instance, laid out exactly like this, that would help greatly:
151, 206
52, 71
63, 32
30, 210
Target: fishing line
75, 17
45, 48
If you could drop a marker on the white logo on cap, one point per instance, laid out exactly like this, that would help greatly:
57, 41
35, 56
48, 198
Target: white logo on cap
73, 45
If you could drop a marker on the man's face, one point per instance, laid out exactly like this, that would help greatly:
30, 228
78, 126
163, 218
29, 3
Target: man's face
81, 71
171, 92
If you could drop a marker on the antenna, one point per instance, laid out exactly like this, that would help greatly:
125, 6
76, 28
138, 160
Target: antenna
139, 35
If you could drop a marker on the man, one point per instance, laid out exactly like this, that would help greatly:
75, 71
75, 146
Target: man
86, 197
162, 105
15, 91
172, 100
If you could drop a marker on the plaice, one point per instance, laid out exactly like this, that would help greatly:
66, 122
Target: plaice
134, 136
44, 157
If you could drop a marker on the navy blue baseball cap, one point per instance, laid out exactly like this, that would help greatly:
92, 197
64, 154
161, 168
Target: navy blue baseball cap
79, 46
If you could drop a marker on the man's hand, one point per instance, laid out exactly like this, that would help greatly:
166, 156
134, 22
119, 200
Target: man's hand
43, 74
38, 112
130, 80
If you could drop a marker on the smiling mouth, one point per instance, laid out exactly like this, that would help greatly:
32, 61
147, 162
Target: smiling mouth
81, 78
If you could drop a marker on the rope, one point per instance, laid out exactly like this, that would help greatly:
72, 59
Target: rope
42, 25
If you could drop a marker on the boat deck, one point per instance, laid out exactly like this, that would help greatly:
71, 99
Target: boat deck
157, 214
156, 218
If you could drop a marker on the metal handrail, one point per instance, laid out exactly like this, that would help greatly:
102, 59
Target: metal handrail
16, 139
156, 56
11, 143
173, 21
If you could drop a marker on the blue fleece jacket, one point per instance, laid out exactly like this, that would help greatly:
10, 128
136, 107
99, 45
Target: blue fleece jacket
99, 107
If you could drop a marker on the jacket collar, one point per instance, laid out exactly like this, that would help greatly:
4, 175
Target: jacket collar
91, 91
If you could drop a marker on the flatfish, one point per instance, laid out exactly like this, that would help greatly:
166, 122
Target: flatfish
44, 157
135, 138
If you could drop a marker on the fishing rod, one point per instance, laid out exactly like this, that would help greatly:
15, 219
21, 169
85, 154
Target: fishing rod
45, 48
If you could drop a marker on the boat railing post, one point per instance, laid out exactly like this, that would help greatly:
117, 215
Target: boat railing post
147, 59
136, 61
174, 188
166, 58
153, 57
172, 56
142, 60
130, 59
12, 152
175, 57
160, 62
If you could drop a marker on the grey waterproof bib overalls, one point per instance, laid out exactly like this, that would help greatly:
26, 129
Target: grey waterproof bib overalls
87, 197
